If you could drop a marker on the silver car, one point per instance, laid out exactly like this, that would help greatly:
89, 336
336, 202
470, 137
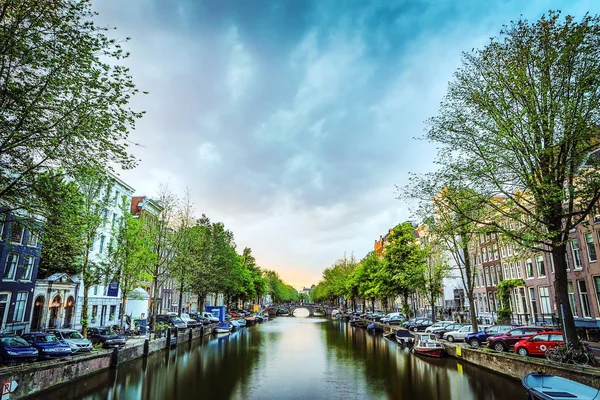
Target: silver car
73, 339
460, 334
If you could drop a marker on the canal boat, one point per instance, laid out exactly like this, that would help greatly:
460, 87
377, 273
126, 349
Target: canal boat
223, 327
390, 335
251, 319
404, 338
241, 322
427, 344
549, 387
374, 328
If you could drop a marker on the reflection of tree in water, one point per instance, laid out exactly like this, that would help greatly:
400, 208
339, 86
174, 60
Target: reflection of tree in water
404, 376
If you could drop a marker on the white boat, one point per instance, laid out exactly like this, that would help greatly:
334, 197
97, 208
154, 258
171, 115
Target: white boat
223, 327
427, 344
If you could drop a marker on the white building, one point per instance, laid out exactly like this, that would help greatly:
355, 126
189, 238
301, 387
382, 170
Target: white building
104, 299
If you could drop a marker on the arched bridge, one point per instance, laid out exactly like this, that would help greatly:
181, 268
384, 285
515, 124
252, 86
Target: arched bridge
312, 309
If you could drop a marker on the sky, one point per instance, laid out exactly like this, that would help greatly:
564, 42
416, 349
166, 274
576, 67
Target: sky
296, 122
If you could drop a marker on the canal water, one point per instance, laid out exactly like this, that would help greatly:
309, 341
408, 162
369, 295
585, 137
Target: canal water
292, 358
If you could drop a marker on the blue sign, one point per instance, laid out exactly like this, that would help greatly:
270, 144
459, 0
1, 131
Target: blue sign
217, 311
113, 289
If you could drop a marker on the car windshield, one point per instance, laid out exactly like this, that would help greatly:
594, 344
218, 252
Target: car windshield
72, 335
176, 319
14, 342
46, 339
107, 332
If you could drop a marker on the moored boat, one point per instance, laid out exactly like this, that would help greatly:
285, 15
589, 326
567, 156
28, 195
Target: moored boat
427, 344
241, 322
373, 327
404, 337
549, 387
250, 319
223, 327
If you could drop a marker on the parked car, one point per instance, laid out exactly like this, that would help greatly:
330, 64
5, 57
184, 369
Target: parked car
538, 344
172, 320
439, 331
189, 321
411, 321
421, 325
47, 345
105, 336
505, 341
393, 320
14, 349
73, 339
475, 339
210, 317
439, 324
460, 334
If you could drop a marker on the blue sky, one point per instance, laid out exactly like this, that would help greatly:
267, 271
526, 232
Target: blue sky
292, 121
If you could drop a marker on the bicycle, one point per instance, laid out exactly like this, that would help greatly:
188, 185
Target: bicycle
575, 353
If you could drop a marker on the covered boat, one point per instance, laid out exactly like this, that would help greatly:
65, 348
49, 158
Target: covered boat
223, 327
373, 327
241, 322
427, 344
549, 387
404, 337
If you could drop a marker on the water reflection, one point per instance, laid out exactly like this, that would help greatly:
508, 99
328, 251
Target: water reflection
292, 358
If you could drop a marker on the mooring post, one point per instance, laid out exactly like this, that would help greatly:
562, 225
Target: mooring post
146, 347
168, 338
114, 358
190, 335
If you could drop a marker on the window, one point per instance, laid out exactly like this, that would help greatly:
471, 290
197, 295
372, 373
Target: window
556, 338
113, 309
94, 313
506, 270
495, 250
114, 221
104, 217
591, 247
32, 239
117, 197
583, 297
541, 268
503, 251
551, 263
567, 266
540, 338
545, 300
509, 250
11, 266
27, 268
499, 273
101, 248
576, 254
95, 290
571, 289
16, 233
2, 221
20, 307
487, 277
484, 255
529, 268
597, 285
533, 303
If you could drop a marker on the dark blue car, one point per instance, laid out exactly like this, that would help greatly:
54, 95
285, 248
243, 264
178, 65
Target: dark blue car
48, 345
478, 338
15, 349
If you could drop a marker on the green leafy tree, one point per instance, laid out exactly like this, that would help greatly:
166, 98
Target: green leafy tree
364, 277
62, 229
259, 283
64, 95
517, 127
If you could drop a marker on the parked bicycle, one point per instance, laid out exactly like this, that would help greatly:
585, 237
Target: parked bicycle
577, 354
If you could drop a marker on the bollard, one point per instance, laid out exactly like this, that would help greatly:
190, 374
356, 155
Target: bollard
146, 347
114, 358
168, 338
190, 335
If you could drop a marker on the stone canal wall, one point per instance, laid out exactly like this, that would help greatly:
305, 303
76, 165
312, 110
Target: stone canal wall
33, 378
517, 366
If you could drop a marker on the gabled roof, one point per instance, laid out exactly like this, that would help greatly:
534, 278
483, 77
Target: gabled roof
62, 277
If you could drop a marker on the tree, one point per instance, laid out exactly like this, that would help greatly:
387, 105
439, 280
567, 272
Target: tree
404, 261
63, 95
517, 127
62, 229
128, 254
96, 192
259, 284
435, 270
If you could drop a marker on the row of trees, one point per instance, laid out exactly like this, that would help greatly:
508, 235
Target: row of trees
408, 266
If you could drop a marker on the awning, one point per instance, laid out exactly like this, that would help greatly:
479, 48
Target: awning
587, 323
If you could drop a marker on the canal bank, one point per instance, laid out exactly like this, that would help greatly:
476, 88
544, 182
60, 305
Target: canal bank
34, 378
513, 365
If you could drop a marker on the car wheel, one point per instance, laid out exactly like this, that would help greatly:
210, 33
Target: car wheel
450, 338
475, 343
499, 346
522, 352
415, 329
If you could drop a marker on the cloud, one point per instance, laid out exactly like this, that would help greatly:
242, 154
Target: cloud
292, 122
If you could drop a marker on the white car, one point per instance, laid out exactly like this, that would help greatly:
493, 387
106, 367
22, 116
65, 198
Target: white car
439, 324
460, 334
210, 317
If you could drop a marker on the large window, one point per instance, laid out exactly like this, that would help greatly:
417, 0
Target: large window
571, 288
576, 254
597, 285
27, 268
499, 273
583, 297
532, 298
529, 267
591, 247
20, 307
487, 276
545, 300
11, 266
541, 268
101, 247
32, 239
16, 233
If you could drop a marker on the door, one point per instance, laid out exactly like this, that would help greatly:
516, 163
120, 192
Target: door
103, 316
36, 317
69, 313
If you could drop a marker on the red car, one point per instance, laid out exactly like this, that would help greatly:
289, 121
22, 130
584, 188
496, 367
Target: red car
538, 344
506, 340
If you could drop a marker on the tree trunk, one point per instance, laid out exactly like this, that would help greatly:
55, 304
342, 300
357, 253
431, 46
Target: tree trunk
562, 293
154, 308
180, 300
201, 302
471, 298
84, 310
433, 313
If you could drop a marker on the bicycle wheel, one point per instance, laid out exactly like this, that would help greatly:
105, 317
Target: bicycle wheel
554, 356
580, 358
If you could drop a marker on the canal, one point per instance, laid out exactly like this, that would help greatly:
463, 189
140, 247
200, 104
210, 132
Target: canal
292, 358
